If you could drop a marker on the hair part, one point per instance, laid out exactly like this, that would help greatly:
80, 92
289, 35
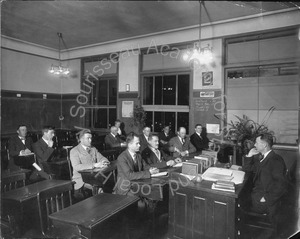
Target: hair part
46, 128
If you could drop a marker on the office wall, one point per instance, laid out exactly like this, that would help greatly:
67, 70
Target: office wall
30, 73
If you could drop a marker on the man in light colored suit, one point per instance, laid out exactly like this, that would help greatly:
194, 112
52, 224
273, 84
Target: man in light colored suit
113, 140
84, 156
180, 145
131, 166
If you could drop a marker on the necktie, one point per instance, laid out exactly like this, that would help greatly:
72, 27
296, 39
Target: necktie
23, 140
158, 154
183, 141
88, 149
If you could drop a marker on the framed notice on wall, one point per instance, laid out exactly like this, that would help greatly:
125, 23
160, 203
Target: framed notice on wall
127, 109
207, 78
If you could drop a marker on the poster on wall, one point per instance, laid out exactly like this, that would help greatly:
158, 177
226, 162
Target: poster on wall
127, 109
207, 78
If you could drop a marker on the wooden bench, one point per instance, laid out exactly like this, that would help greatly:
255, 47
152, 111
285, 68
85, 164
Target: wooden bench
93, 217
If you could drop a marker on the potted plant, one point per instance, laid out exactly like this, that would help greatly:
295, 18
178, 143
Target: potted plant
244, 131
138, 119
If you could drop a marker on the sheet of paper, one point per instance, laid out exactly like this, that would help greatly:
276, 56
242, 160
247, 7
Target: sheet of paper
36, 166
159, 174
178, 165
213, 128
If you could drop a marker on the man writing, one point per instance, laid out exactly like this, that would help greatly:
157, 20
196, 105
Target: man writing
131, 166
269, 175
84, 156
20, 144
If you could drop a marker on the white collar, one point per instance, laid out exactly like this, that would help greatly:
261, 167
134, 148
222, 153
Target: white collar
265, 155
113, 135
198, 134
131, 154
46, 141
85, 147
21, 137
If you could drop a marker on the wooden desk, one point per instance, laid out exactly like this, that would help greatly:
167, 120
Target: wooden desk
91, 218
98, 177
197, 211
21, 203
60, 169
8, 173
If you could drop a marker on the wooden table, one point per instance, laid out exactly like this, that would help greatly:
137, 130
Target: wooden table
92, 217
8, 173
21, 204
197, 211
98, 177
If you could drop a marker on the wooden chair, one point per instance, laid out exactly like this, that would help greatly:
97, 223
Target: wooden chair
50, 201
12, 182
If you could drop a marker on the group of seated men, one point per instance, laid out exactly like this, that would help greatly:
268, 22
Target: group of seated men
146, 154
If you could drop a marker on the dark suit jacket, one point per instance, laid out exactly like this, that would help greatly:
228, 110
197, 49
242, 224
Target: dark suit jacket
151, 159
143, 142
269, 177
127, 172
175, 142
199, 143
112, 142
16, 145
43, 154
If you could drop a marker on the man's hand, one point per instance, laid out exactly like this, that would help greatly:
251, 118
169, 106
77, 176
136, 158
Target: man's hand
184, 153
102, 164
178, 160
263, 199
252, 152
27, 151
22, 152
170, 163
153, 170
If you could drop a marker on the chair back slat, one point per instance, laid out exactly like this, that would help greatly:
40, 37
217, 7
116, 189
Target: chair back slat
13, 181
53, 200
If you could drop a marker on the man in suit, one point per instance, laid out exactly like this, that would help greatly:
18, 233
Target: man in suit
112, 140
155, 157
120, 129
164, 138
199, 139
269, 176
43, 148
131, 166
84, 156
180, 145
21, 145
144, 138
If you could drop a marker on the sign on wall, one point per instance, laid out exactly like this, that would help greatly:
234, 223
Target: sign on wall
127, 109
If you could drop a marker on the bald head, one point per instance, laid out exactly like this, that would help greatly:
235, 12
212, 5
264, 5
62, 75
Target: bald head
114, 130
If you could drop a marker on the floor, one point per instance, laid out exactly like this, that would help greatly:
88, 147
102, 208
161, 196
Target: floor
139, 224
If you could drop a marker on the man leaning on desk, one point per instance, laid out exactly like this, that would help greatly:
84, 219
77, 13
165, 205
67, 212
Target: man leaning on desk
131, 166
84, 156
155, 157
180, 145
269, 176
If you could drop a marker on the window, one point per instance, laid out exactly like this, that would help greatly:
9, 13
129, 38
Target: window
252, 91
166, 100
101, 112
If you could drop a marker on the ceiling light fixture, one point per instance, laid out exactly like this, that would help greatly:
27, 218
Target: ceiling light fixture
199, 55
60, 69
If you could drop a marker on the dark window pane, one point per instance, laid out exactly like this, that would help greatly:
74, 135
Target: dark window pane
100, 118
112, 116
102, 92
112, 92
148, 90
88, 117
183, 120
158, 121
149, 119
169, 90
170, 120
158, 90
183, 89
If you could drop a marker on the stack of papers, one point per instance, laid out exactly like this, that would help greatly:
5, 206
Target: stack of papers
159, 174
223, 174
